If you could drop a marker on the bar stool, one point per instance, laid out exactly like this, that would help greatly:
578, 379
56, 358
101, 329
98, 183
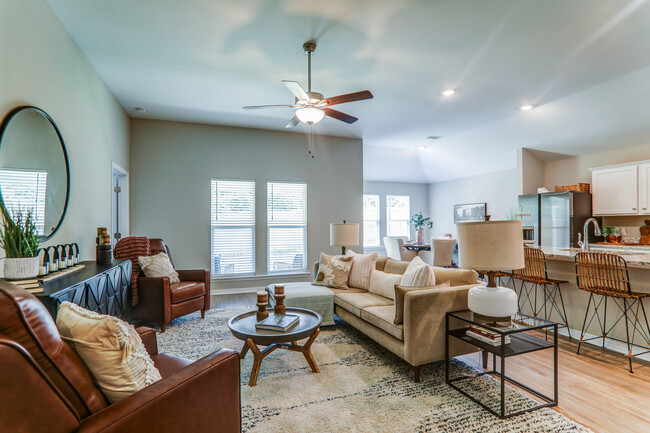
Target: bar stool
535, 273
606, 275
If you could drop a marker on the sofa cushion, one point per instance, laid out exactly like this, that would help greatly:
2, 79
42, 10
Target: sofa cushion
383, 284
400, 293
355, 302
186, 290
394, 266
362, 265
455, 276
333, 271
337, 291
382, 318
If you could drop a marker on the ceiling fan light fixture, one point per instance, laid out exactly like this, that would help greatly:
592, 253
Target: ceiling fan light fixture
310, 115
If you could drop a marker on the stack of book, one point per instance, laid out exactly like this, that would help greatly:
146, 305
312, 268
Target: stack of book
486, 336
278, 322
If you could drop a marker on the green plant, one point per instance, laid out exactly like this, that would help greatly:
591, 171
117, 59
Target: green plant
18, 236
420, 221
609, 231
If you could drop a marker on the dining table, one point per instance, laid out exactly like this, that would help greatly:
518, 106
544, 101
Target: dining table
414, 246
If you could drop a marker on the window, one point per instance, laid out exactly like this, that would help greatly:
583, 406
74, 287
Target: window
287, 226
233, 227
371, 220
24, 190
398, 210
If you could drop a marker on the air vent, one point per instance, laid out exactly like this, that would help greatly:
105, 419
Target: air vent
434, 137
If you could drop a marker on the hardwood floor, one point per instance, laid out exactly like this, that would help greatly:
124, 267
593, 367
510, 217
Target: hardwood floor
595, 388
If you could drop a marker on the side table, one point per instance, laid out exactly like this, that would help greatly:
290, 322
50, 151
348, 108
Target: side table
520, 342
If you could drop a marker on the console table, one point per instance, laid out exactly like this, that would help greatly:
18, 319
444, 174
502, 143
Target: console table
100, 288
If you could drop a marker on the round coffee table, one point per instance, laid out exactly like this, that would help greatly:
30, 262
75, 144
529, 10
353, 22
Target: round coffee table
242, 326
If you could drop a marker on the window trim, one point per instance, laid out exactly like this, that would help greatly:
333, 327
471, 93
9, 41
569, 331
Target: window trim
389, 219
378, 220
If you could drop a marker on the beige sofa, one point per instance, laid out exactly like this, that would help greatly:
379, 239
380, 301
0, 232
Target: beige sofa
421, 338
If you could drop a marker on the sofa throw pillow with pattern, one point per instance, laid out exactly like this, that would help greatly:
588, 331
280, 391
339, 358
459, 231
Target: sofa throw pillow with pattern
111, 349
362, 266
418, 274
333, 271
400, 293
158, 266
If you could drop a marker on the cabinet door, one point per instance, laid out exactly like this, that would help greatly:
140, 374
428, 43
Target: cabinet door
615, 190
644, 188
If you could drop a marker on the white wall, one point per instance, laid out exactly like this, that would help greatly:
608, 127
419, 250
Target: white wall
419, 193
41, 65
172, 164
530, 172
498, 190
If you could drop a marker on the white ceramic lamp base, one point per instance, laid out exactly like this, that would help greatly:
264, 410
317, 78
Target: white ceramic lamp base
492, 302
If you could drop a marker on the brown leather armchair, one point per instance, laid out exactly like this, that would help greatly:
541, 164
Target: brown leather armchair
161, 302
47, 388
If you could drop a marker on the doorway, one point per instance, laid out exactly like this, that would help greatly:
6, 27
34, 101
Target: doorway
119, 203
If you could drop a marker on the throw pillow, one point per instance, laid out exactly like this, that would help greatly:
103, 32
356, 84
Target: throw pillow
418, 274
362, 266
111, 349
400, 293
158, 266
383, 283
333, 271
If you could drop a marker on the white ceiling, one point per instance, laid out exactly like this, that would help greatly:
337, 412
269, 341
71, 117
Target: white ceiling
584, 64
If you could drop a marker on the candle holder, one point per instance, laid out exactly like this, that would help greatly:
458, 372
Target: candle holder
279, 308
262, 303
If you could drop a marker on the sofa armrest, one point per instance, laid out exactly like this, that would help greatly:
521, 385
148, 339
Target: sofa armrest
202, 397
148, 337
424, 323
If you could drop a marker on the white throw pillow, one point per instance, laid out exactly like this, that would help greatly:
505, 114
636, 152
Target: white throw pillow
111, 349
158, 266
418, 274
383, 283
362, 266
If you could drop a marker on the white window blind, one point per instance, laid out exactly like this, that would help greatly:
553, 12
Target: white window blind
398, 215
287, 226
24, 190
233, 227
371, 220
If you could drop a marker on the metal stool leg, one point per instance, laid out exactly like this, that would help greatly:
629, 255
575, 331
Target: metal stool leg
584, 323
627, 335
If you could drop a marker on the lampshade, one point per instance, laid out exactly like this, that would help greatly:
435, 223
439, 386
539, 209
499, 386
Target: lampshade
310, 114
344, 235
490, 245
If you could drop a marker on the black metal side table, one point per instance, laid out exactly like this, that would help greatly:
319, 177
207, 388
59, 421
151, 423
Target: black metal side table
520, 342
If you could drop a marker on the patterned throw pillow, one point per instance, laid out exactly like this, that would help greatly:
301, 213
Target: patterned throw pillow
400, 293
158, 266
333, 271
418, 274
362, 266
111, 349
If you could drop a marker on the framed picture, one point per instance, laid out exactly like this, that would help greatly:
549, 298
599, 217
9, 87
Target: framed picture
470, 212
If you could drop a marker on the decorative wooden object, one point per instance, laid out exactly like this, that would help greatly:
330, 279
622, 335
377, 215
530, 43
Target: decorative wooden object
262, 303
279, 308
645, 233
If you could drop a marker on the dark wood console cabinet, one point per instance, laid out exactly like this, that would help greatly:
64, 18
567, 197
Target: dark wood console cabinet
100, 288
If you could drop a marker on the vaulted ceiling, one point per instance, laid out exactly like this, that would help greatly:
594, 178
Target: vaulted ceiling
583, 64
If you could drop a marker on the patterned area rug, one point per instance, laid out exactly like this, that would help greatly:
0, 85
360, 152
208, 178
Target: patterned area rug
362, 387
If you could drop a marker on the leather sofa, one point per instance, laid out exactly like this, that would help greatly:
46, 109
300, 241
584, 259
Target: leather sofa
45, 386
161, 302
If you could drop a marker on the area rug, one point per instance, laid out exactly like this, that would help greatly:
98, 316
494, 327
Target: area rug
361, 386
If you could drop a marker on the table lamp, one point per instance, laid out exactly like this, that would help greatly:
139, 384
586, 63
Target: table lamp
490, 246
344, 235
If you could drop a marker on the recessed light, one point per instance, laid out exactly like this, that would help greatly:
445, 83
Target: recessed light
526, 107
422, 147
448, 92
139, 109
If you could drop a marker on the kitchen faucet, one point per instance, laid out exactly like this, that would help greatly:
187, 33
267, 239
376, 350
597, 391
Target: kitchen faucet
584, 244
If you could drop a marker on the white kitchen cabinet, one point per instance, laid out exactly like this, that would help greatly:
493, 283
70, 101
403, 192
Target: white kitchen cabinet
615, 190
644, 188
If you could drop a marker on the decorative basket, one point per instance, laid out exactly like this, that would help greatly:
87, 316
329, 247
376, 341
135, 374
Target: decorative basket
579, 187
22, 268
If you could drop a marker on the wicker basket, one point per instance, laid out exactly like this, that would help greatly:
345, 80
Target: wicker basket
579, 187
18, 269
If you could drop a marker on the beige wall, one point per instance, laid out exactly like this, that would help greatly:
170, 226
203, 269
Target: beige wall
41, 65
172, 164
530, 172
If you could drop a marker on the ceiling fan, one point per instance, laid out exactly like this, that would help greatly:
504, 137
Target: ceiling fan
312, 106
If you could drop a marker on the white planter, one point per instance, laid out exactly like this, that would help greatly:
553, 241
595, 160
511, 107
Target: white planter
20, 269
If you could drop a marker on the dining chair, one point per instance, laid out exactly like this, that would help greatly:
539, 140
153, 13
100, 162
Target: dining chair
441, 253
395, 248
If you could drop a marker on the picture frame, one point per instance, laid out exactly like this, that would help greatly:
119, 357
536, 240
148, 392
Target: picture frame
470, 212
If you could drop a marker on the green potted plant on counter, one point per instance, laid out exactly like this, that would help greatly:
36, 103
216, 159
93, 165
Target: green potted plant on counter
19, 240
419, 221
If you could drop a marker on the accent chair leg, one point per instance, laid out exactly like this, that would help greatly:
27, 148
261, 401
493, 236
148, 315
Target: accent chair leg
162, 328
416, 373
202, 314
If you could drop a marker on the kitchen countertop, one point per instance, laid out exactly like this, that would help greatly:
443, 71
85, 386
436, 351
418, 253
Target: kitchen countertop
636, 257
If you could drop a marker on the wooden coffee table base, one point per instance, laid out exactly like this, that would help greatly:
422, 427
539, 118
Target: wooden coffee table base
258, 355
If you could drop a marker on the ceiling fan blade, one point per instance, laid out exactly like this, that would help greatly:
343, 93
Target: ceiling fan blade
293, 122
349, 97
296, 89
340, 116
255, 107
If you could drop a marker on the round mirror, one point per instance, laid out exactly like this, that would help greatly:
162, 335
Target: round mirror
34, 171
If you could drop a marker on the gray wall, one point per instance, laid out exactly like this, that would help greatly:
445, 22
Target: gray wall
419, 193
498, 190
172, 164
42, 66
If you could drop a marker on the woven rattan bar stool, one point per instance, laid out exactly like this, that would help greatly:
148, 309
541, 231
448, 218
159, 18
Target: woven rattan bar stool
534, 276
606, 275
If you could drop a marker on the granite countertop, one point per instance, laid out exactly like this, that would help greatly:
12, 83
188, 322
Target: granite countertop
634, 256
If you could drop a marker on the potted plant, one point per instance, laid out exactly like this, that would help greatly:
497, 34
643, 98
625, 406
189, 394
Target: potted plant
419, 221
611, 234
19, 240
